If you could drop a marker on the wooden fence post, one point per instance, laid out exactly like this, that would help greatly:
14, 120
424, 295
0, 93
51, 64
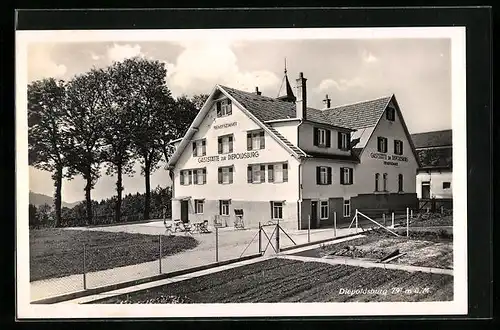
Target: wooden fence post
334, 224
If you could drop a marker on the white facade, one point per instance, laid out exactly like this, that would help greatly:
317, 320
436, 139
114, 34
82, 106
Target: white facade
291, 201
437, 184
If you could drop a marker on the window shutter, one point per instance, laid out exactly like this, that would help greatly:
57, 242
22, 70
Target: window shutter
400, 147
249, 173
220, 175
181, 178
230, 143
385, 144
328, 138
285, 172
249, 141
262, 140
262, 173
342, 175
194, 149
272, 209
231, 174
379, 147
219, 142
315, 136
204, 175
190, 177
348, 140
329, 175
219, 109
351, 172
318, 175
203, 147
270, 173
220, 207
195, 177
339, 140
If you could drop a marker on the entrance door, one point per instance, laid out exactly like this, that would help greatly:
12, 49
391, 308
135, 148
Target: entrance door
426, 190
314, 214
184, 211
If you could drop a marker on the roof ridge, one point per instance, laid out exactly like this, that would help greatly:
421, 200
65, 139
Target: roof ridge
349, 104
427, 132
256, 95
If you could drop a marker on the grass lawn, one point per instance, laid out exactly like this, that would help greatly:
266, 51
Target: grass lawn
280, 280
59, 252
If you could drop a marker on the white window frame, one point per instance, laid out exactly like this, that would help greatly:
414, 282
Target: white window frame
226, 174
347, 208
322, 205
382, 143
197, 204
199, 174
398, 150
225, 144
344, 141
256, 175
224, 206
323, 175
225, 107
277, 207
321, 136
347, 175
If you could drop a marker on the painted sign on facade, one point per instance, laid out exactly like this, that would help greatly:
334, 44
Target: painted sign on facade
226, 125
239, 155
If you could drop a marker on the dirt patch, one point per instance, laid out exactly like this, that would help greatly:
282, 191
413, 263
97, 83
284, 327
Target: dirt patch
280, 280
437, 253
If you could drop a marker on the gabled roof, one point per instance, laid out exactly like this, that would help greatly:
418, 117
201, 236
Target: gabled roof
357, 115
441, 138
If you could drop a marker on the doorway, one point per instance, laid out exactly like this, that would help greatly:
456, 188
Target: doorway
426, 190
314, 214
184, 211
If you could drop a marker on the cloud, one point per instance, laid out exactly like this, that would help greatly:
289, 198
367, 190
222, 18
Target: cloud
121, 52
41, 64
213, 62
340, 85
95, 57
368, 57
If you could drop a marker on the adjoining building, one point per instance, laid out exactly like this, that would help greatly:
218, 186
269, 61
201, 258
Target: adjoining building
276, 158
434, 178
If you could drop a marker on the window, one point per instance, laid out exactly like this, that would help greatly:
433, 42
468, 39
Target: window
323, 175
382, 144
224, 207
400, 182
323, 209
256, 140
347, 207
186, 177
270, 173
224, 108
377, 178
198, 206
398, 147
446, 185
256, 173
225, 175
200, 176
285, 172
390, 114
199, 148
346, 175
277, 210
321, 137
225, 144
385, 181
343, 141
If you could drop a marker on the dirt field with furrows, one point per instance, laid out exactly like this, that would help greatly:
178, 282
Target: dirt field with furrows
280, 280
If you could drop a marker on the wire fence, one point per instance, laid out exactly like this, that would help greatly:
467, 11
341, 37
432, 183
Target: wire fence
104, 258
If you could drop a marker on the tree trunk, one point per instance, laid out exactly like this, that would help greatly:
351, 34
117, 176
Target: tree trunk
119, 190
147, 199
88, 200
58, 195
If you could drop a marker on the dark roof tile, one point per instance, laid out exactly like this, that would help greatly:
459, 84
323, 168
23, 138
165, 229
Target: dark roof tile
432, 139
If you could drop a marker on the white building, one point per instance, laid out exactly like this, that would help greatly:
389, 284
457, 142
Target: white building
434, 178
277, 158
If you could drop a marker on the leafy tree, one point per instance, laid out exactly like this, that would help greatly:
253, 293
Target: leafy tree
148, 99
199, 100
33, 217
85, 127
47, 144
118, 133
44, 215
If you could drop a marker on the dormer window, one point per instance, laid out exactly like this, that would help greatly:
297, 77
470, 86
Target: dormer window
321, 137
390, 114
224, 108
343, 141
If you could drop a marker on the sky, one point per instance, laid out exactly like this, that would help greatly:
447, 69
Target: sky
417, 71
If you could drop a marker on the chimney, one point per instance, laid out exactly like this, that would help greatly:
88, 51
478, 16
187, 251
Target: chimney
327, 102
301, 103
257, 91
